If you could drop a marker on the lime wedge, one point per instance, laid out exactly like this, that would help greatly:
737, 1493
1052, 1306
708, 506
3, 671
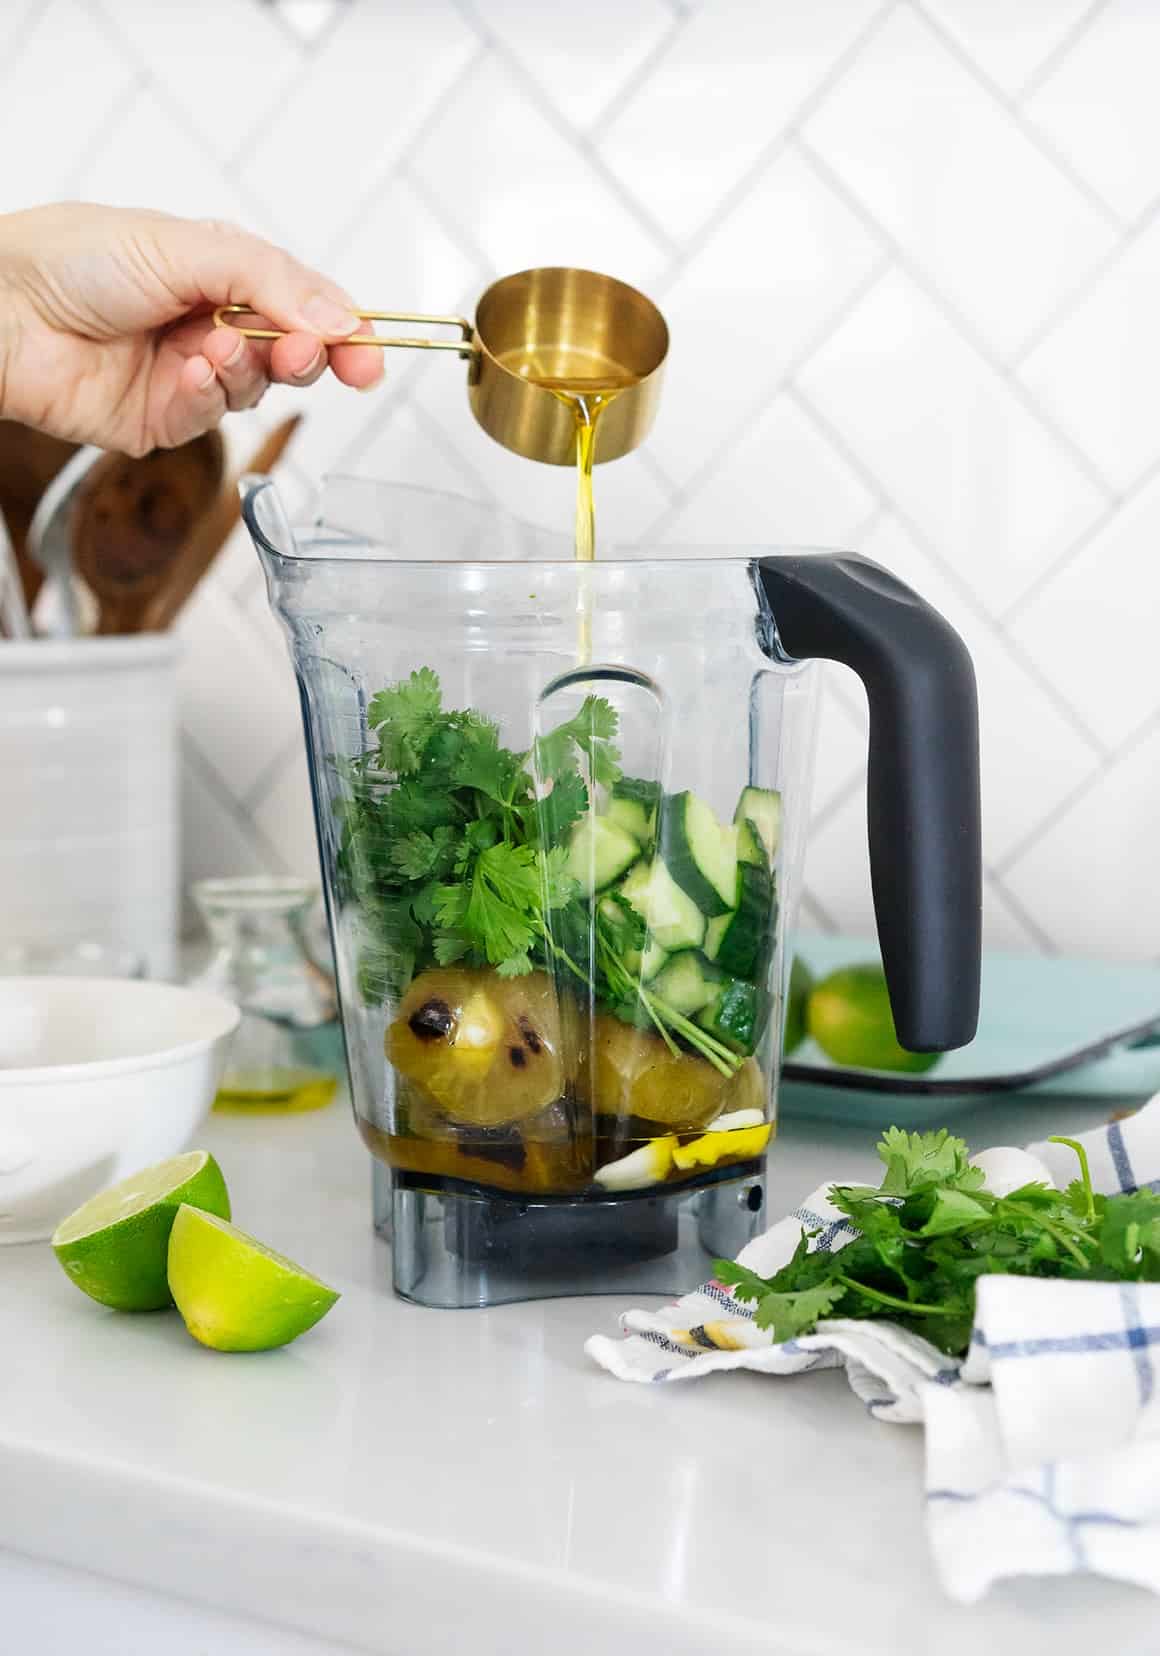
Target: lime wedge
848, 1014
235, 1294
115, 1247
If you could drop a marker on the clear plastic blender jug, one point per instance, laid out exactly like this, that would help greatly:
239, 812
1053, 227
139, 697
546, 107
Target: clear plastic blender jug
561, 810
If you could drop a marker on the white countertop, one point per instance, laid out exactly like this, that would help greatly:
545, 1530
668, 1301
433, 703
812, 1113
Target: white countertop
418, 1483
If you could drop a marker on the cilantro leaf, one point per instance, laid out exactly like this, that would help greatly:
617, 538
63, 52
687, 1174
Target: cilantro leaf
914, 1161
590, 733
404, 717
788, 1315
549, 818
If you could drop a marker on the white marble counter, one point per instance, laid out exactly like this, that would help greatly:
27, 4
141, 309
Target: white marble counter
422, 1483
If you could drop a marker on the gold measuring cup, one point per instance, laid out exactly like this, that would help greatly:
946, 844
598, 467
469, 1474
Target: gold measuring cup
542, 340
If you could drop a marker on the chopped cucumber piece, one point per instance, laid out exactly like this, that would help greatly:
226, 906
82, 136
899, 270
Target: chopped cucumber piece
737, 941
688, 983
700, 852
599, 853
635, 818
644, 964
762, 807
640, 789
670, 914
749, 846
737, 1016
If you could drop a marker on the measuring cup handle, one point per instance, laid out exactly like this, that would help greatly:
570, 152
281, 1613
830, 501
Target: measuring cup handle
224, 317
923, 783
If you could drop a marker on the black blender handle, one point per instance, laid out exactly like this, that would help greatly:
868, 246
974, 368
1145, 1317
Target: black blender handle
924, 813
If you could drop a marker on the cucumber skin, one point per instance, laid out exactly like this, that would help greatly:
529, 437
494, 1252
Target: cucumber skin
738, 942
633, 817
750, 845
680, 854
738, 1016
762, 807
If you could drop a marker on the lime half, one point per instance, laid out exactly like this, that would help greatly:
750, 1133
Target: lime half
801, 981
115, 1247
235, 1294
848, 1014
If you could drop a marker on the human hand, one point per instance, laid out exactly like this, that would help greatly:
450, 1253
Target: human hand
107, 334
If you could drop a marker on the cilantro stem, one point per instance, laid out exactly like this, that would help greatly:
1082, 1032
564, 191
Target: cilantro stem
1061, 1236
892, 1300
1084, 1170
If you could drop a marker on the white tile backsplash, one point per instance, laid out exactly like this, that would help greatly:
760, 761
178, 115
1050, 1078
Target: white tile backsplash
907, 254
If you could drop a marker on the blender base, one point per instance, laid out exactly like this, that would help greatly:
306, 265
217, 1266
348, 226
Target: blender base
458, 1248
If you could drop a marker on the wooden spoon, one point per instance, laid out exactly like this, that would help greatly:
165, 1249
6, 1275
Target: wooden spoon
212, 532
132, 519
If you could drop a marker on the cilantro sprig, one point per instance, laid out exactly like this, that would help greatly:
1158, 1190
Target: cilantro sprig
931, 1229
454, 847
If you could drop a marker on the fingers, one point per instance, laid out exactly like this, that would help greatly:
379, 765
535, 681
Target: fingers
299, 359
219, 264
360, 366
241, 370
197, 403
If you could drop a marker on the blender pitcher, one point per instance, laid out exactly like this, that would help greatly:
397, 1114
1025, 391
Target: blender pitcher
559, 878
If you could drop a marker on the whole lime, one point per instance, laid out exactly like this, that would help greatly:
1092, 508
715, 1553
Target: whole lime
801, 982
848, 1014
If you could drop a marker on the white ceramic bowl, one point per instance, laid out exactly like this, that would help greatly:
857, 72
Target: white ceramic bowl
98, 1077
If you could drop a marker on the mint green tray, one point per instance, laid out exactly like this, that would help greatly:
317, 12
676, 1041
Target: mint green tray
1046, 1025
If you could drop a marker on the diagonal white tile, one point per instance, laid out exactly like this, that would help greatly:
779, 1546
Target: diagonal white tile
946, 169
67, 65
580, 55
149, 160
1092, 873
286, 818
1099, 370
997, 495
842, 728
307, 19
1009, 42
368, 93
1031, 755
733, 79
522, 193
780, 483
194, 49
1093, 626
237, 701
837, 875
769, 280
1099, 106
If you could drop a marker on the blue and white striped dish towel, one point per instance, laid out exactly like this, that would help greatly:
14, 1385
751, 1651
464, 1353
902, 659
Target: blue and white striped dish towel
1042, 1445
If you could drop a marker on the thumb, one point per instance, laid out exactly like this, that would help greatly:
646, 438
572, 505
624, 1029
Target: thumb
208, 262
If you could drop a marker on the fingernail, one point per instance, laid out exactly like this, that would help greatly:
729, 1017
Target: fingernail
328, 316
235, 355
210, 378
311, 366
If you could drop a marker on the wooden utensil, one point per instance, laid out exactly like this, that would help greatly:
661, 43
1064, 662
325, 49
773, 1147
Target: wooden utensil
133, 519
212, 532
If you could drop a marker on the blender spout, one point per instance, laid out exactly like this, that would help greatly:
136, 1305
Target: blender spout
266, 517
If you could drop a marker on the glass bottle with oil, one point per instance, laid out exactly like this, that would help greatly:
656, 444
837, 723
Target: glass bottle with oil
285, 1054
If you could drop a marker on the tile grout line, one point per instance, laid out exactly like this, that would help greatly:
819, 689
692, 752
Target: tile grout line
684, 492
209, 778
576, 140
1104, 522
1116, 757
399, 165
785, 138
309, 51
1026, 127
967, 593
115, 116
1026, 919
1061, 50
960, 324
